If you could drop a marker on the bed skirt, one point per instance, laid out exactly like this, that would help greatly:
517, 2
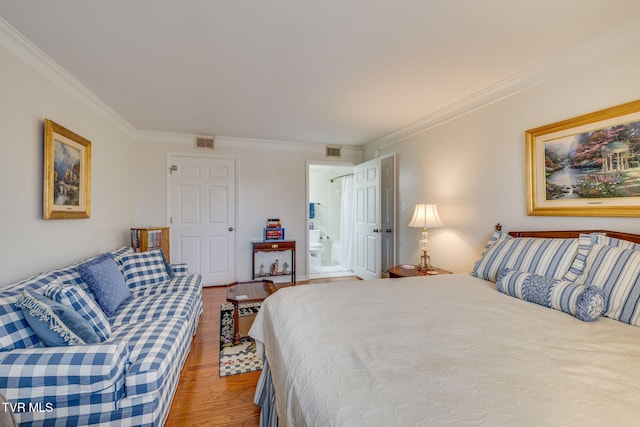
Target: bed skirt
265, 397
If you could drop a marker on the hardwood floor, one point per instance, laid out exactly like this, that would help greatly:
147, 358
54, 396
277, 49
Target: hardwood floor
203, 398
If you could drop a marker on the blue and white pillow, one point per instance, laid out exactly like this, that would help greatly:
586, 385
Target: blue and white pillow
105, 280
144, 268
55, 324
587, 303
83, 304
617, 272
495, 237
545, 257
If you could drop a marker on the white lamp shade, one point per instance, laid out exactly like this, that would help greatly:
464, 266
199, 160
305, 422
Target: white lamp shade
425, 216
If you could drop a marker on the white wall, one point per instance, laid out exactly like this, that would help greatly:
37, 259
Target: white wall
29, 243
271, 184
473, 167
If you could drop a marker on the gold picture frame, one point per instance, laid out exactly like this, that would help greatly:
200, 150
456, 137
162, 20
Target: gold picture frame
67, 173
586, 166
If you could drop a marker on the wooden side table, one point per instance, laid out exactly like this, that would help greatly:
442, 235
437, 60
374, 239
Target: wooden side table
274, 246
397, 272
246, 293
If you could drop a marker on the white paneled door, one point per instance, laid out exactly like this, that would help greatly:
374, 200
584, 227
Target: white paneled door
202, 216
367, 220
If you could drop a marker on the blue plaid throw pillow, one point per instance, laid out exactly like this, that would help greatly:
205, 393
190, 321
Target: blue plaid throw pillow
83, 304
144, 269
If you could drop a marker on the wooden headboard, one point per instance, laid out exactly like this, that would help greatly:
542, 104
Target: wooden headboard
568, 234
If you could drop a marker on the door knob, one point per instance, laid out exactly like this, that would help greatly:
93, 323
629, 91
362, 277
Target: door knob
389, 230
230, 228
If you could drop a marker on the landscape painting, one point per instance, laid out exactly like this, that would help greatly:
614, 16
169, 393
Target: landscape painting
586, 166
599, 164
67, 177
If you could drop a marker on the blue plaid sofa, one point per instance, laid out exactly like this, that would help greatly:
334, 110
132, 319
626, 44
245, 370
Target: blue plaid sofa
129, 378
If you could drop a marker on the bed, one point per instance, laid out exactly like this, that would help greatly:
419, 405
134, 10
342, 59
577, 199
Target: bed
544, 331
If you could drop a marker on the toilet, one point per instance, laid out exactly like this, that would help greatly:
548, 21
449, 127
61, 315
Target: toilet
315, 247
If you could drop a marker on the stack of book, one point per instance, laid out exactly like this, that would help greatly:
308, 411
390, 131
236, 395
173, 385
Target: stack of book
273, 230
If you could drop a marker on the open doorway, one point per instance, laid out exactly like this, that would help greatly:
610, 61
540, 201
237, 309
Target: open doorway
330, 220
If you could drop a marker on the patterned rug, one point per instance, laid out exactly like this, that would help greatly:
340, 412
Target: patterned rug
241, 358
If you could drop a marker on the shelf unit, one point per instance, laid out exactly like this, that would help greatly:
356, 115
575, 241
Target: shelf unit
270, 247
147, 238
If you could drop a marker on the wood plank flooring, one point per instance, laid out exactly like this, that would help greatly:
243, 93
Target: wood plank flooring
203, 398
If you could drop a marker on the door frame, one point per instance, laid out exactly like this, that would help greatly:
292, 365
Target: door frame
306, 237
169, 156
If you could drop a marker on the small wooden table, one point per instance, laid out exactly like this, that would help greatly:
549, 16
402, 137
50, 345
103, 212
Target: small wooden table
246, 293
397, 271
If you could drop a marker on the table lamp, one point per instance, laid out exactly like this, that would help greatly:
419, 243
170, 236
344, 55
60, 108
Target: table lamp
425, 216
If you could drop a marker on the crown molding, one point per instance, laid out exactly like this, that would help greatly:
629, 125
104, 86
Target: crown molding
28, 52
589, 52
242, 143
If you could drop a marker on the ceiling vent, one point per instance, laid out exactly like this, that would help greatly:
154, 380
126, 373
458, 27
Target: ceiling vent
205, 142
333, 151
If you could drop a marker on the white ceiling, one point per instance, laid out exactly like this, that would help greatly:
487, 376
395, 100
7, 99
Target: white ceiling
324, 71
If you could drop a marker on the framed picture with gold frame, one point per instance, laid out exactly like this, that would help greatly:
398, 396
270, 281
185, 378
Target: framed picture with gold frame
67, 173
586, 166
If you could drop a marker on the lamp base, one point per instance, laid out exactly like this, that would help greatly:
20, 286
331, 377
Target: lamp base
425, 262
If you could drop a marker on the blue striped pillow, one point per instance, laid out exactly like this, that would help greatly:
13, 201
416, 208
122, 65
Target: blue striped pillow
545, 257
617, 272
576, 272
586, 303
495, 237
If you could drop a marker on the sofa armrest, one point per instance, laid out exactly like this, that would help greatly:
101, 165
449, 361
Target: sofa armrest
181, 269
62, 374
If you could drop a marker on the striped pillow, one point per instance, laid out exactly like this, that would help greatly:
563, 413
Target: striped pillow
576, 272
495, 237
586, 303
617, 272
545, 257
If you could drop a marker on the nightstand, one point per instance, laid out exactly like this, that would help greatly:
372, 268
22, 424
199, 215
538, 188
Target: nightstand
397, 272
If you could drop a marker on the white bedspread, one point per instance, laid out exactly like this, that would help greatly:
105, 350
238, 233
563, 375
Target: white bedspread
445, 350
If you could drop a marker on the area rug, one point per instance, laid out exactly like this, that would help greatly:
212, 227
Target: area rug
241, 358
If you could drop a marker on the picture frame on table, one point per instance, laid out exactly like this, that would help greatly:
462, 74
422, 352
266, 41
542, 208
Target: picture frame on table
67, 173
587, 165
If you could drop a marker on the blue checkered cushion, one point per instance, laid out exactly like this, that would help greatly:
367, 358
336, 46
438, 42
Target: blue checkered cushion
83, 304
189, 284
587, 303
617, 272
15, 332
155, 307
62, 374
56, 324
144, 269
180, 269
545, 257
154, 347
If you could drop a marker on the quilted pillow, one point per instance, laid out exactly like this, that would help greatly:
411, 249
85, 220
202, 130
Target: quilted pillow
545, 257
54, 323
83, 304
587, 303
105, 280
144, 268
617, 272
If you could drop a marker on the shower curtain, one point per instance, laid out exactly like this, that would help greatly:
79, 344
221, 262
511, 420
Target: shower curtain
347, 212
